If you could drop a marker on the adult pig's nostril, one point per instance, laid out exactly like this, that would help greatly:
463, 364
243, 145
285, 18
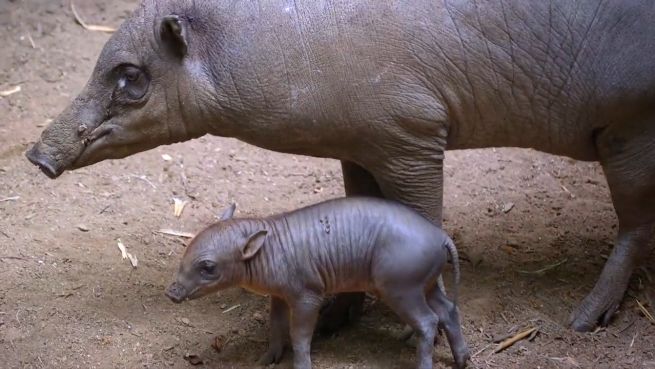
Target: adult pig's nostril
43, 162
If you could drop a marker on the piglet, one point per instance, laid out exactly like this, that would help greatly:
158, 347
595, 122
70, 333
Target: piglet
349, 244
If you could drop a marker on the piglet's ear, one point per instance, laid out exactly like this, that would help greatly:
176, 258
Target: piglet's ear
173, 35
229, 212
253, 245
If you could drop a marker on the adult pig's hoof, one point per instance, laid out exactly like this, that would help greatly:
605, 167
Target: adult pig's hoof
272, 356
339, 311
597, 307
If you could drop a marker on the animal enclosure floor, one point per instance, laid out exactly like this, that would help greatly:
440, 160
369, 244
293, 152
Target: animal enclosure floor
533, 231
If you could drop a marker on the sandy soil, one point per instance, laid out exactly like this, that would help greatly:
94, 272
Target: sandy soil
68, 300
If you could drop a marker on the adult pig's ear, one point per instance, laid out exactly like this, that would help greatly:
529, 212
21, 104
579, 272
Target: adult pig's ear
173, 35
253, 245
229, 212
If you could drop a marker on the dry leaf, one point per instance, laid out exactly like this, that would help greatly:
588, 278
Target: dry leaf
10, 91
166, 157
82, 228
90, 27
126, 255
179, 206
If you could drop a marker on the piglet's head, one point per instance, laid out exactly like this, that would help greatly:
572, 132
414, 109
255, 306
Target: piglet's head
215, 259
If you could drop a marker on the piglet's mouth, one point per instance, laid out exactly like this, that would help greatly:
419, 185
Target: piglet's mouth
178, 294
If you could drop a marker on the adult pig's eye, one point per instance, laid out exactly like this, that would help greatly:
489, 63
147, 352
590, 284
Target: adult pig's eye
133, 82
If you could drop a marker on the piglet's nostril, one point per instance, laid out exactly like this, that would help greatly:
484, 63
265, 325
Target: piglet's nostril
175, 292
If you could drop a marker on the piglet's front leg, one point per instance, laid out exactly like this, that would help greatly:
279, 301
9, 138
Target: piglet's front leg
304, 313
279, 332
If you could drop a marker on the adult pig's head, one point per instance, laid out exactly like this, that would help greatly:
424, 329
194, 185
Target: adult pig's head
216, 259
148, 88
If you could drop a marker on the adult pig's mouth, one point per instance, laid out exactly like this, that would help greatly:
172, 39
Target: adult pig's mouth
53, 162
92, 143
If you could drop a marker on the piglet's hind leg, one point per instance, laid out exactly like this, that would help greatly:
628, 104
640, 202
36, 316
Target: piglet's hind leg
413, 309
449, 321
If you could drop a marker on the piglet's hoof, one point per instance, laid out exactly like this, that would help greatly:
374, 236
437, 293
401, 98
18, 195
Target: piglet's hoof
461, 358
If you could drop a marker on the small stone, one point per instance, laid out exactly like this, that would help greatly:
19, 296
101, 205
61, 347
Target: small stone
193, 359
508, 207
219, 343
258, 317
82, 227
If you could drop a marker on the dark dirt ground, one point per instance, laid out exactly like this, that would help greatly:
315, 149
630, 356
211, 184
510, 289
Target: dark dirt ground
68, 300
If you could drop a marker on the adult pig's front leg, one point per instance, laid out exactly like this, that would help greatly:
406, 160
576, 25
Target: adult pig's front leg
628, 158
415, 180
344, 307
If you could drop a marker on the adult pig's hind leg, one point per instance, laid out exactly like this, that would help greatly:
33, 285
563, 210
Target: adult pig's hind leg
449, 321
346, 307
628, 158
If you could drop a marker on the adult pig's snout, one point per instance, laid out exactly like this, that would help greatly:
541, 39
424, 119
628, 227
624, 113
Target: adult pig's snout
37, 157
176, 292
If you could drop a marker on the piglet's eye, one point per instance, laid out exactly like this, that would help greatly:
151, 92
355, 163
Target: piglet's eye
207, 268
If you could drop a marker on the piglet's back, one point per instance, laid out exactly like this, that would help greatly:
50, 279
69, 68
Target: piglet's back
336, 240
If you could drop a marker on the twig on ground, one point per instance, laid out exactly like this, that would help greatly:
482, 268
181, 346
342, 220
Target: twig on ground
632, 343
10, 91
90, 27
13, 257
232, 308
645, 311
11, 198
31, 40
172, 232
546, 268
481, 350
145, 179
511, 341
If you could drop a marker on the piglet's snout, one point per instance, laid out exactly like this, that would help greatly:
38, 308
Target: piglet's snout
176, 292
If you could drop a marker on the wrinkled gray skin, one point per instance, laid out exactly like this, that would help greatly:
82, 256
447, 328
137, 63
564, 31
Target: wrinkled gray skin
386, 87
342, 245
